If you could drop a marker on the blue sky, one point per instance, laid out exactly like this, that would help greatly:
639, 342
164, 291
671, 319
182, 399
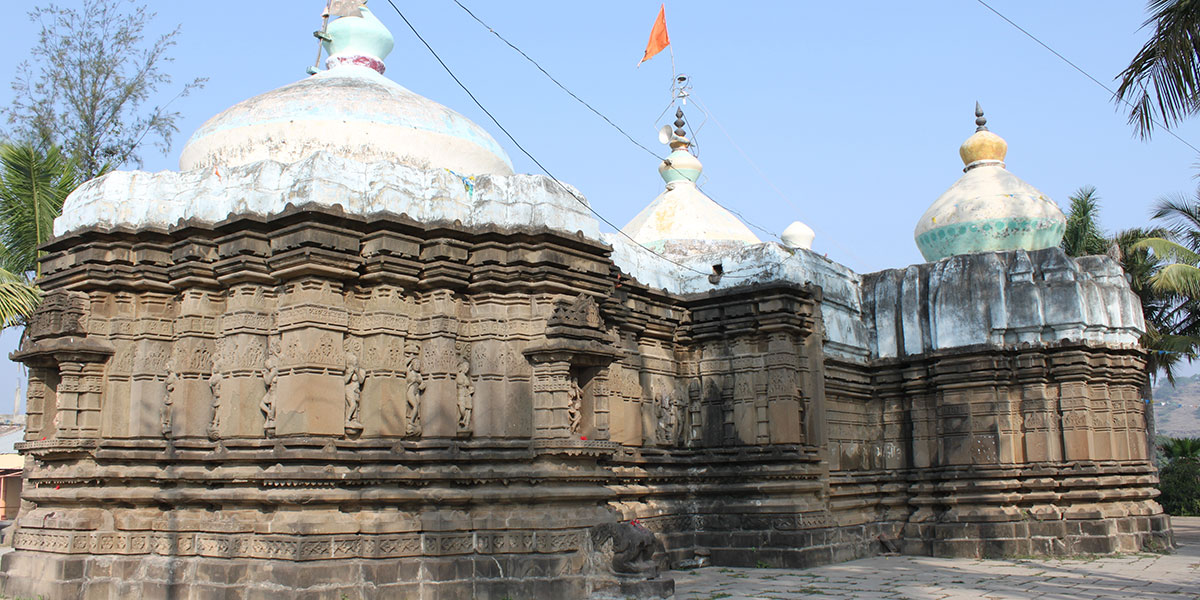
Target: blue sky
854, 111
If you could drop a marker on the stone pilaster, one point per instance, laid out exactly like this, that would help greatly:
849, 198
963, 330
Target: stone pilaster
312, 322
194, 358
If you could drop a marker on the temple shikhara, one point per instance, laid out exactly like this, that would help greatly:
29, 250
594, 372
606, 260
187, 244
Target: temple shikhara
345, 352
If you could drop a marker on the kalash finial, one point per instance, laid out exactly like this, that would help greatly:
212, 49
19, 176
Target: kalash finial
357, 37
983, 147
681, 164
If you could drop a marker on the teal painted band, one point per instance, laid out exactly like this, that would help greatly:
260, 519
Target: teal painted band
990, 235
672, 174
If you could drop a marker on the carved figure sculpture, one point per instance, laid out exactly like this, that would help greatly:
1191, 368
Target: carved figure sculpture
668, 418
466, 395
574, 406
172, 382
695, 421
214, 384
267, 406
412, 397
633, 547
354, 379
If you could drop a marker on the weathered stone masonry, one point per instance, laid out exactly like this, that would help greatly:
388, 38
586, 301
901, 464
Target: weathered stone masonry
220, 410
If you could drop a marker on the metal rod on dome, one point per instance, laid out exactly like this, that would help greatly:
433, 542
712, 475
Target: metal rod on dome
320, 35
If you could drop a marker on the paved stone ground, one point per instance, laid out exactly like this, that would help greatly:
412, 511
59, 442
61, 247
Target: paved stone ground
1140, 576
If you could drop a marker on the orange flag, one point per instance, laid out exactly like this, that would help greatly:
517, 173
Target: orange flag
659, 39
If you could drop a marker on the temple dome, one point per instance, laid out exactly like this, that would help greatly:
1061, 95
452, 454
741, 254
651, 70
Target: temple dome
683, 220
350, 110
988, 208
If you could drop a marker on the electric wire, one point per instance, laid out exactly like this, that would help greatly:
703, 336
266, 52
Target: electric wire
526, 152
1084, 73
617, 127
557, 82
708, 113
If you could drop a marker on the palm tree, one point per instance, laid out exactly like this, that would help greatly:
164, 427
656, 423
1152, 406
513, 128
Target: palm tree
1176, 448
1172, 319
34, 182
1161, 85
1180, 245
1083, 235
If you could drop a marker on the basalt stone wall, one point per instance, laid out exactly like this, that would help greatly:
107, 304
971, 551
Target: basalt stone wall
316, 404
321, 404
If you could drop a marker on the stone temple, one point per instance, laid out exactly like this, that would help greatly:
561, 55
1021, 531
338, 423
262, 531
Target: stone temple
345, 352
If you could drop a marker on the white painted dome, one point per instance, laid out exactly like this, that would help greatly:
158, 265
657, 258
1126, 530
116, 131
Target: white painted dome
798, 236
350, 110
682, 220
988, 208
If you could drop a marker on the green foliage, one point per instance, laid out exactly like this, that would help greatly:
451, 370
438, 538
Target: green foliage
1083, 236
89, 82
1163, 269
33, 185
1162, 81
1180, 448
1179, 482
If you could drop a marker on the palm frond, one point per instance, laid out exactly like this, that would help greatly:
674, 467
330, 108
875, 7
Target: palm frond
1182, 217
1169, 250
1181, 278
34, 183
1162, 81
18, 299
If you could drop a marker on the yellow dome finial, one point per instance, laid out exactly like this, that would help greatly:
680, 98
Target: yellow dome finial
983, 147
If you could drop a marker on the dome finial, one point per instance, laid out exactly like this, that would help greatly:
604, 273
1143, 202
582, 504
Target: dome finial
983, 147
679, 136
358, 40
980, 120
681, 164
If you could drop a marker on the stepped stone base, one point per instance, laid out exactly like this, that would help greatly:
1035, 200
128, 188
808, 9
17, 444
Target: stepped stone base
99, 577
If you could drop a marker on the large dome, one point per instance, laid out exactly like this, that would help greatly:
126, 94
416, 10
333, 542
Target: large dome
988, 208
350, 110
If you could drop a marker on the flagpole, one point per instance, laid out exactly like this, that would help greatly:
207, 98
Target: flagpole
673, 72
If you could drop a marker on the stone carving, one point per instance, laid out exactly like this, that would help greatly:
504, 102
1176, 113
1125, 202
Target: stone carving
667, 409
633, 547
574, 406
354, 379
466, 393
214, 384
172, 382
695, 423
267, 405
412, 397
583, 312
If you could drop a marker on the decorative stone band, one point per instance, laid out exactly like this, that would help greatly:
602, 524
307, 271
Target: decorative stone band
313, 547
991, 235
369, 62
984, 163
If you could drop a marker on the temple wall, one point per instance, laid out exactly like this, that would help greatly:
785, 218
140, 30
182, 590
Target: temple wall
380, 406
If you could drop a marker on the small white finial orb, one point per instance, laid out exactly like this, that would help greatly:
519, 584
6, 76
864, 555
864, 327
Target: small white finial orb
798, 236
